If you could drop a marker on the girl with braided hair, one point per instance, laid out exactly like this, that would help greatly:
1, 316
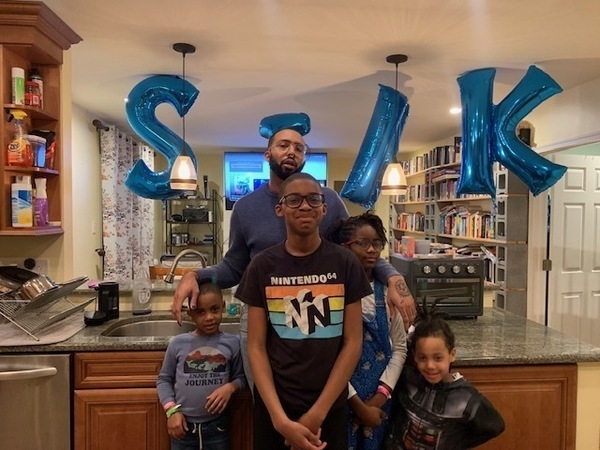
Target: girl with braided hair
384, 339
434, 408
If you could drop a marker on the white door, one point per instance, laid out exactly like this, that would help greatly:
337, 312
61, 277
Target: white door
574, 284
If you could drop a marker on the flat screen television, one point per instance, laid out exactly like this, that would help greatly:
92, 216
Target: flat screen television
246, 171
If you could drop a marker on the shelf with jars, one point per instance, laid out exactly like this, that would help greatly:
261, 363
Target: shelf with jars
32, 43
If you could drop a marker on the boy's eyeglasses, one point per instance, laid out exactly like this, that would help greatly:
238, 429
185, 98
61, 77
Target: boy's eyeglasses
284, 144
295, 200
363, 243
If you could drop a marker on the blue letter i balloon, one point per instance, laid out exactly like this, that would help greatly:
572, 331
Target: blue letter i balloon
378, 148
142, 102
489, 132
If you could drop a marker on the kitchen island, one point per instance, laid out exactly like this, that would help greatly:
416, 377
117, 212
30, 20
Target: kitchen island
546, 384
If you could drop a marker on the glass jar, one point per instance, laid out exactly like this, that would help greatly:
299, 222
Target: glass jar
32, 94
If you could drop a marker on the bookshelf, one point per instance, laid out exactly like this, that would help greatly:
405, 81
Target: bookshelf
431, 210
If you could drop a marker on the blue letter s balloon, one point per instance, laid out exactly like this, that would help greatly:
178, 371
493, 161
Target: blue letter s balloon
141, 105
378, 148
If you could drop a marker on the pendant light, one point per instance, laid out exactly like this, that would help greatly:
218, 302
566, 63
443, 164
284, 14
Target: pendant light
394, 179
183, 174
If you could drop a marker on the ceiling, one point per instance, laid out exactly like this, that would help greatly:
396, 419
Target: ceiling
260, 57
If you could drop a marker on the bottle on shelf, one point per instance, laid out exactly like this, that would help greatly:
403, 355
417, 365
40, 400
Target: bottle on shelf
32, 94
22, 209
40, 203
18, 85
35, 77
19, 150
140, 300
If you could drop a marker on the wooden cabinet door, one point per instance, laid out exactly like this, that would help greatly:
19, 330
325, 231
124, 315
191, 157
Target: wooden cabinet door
108, 419
240, 408
538, 404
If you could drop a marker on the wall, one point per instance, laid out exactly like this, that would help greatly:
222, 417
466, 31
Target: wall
568, 115
87, 209
588, 413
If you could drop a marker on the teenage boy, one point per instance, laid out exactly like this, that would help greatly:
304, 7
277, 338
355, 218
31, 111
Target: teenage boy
304, 327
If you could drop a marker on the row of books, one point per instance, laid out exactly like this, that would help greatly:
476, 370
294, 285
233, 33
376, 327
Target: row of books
446, 190
437, 156
411, 221
467, 222
414, 193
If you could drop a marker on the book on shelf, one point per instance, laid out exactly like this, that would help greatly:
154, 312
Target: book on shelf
444, 174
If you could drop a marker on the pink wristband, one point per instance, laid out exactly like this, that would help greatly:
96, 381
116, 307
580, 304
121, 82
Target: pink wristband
168, 406
384, 391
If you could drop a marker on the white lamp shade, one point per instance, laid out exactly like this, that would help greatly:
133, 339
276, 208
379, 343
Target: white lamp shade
394, 180
183, 174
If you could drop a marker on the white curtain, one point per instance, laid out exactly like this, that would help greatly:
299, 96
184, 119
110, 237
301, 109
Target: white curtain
127, 219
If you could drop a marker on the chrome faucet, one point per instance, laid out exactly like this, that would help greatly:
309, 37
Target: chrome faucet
171, 275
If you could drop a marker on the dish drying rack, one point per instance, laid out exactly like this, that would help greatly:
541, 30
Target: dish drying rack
33, 316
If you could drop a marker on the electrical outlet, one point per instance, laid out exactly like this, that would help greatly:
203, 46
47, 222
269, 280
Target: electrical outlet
41, 266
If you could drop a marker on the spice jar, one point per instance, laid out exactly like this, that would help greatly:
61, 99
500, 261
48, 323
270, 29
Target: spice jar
32, 94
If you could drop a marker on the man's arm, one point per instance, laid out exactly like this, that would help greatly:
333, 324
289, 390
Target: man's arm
342, 369
398, 294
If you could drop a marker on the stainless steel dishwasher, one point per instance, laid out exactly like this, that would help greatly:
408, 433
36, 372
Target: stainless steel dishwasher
35, 401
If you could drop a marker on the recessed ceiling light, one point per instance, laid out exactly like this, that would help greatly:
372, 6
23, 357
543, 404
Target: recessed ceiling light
455, 110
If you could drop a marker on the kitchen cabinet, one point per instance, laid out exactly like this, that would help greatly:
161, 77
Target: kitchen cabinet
432, 210
193, 222
116, 404
32, 37
538, 404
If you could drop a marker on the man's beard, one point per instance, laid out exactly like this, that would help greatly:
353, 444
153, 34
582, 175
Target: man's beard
281, 173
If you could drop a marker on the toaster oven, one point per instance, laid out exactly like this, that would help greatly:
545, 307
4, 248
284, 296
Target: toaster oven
453, 285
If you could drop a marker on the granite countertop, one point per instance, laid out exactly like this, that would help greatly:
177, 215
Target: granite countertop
496, 338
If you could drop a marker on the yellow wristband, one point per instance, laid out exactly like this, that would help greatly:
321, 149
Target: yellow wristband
172, 410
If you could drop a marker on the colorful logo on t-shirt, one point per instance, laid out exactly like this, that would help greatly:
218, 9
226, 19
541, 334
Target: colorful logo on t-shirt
309, 311
205, 359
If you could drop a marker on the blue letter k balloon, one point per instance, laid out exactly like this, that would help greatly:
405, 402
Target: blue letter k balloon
489, 132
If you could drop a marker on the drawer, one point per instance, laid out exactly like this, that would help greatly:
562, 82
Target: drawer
97, 370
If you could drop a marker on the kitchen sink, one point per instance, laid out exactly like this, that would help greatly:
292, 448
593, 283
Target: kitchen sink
160, 328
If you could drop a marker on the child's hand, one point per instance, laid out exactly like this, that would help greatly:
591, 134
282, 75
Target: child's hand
177, 426
299, 437
217, 401
372, 416
311, 421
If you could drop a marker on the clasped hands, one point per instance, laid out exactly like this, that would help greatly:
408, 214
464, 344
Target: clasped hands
299, 435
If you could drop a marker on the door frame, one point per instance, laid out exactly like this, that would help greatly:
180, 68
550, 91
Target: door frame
538, 206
